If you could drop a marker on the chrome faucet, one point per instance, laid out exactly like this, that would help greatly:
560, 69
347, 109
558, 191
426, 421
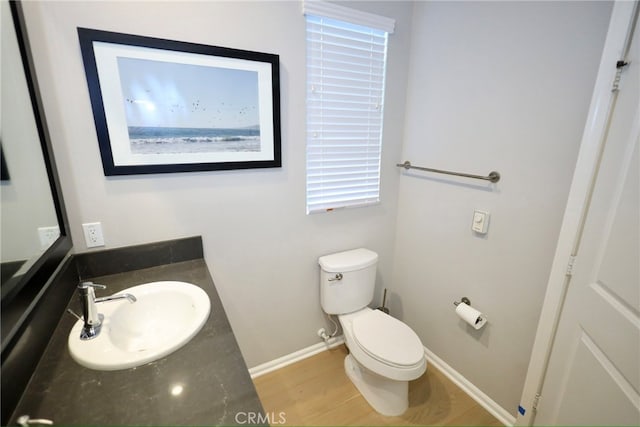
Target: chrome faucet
93, 319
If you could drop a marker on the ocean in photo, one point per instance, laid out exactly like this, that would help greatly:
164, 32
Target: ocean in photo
168, 140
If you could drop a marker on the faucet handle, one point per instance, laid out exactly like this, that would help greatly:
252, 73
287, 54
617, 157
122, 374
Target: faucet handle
26, 421
87, 285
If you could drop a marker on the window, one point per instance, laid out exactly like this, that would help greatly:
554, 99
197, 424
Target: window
346, 63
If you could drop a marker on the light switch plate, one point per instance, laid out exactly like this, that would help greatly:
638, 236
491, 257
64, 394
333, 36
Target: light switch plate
480, 222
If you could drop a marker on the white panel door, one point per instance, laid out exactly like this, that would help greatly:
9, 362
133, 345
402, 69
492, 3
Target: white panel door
593, 376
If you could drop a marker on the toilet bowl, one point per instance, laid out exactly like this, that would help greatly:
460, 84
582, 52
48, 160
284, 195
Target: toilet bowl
384, 353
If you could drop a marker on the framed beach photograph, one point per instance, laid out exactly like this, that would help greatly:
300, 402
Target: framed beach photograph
163, 106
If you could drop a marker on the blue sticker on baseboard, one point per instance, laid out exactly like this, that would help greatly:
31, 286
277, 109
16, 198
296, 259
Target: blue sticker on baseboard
521, 410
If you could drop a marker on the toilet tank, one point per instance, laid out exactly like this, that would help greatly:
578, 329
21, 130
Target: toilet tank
347, 280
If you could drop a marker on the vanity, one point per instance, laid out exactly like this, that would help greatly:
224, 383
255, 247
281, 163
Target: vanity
205, 382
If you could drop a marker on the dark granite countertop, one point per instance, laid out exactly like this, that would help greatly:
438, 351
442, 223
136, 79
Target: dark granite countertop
209, 370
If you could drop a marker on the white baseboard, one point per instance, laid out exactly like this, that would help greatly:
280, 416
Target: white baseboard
294, 357
474, 392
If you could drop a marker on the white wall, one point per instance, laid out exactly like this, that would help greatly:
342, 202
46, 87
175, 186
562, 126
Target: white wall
492, 86
501, 86
260, 246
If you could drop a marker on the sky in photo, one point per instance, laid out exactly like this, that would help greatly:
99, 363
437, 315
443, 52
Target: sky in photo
167, 94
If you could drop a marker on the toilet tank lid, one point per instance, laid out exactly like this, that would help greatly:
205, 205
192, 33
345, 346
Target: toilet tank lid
354, 259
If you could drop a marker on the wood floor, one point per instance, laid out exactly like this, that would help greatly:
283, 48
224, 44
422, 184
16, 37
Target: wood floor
316, 391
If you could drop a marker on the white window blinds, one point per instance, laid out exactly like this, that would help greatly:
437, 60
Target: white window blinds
346, 66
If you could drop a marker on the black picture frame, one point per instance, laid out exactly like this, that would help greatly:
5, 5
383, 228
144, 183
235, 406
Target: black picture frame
4, 171
163, 106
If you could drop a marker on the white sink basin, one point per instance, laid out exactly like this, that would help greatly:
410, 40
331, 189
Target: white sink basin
165, 317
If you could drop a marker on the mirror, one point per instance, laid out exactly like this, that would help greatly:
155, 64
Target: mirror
29, 222
33, 234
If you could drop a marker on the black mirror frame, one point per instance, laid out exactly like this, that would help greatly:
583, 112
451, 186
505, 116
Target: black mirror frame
26, 291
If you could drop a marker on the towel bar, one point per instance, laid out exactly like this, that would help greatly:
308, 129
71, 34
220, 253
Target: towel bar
493, 175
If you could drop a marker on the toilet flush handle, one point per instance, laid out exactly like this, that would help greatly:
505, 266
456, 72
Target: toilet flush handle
338, 277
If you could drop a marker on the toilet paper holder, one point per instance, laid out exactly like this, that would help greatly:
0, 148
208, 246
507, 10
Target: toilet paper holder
464, 300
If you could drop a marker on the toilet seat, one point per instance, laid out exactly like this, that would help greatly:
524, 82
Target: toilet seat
388, 340
373, 361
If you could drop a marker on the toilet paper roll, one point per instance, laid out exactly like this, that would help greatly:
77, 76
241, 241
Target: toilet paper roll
471, 315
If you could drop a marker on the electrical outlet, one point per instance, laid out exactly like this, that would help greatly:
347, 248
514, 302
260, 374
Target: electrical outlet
93, 234
48, 235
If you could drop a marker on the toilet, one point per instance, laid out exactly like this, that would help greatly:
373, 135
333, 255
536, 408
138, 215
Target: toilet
384, 353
